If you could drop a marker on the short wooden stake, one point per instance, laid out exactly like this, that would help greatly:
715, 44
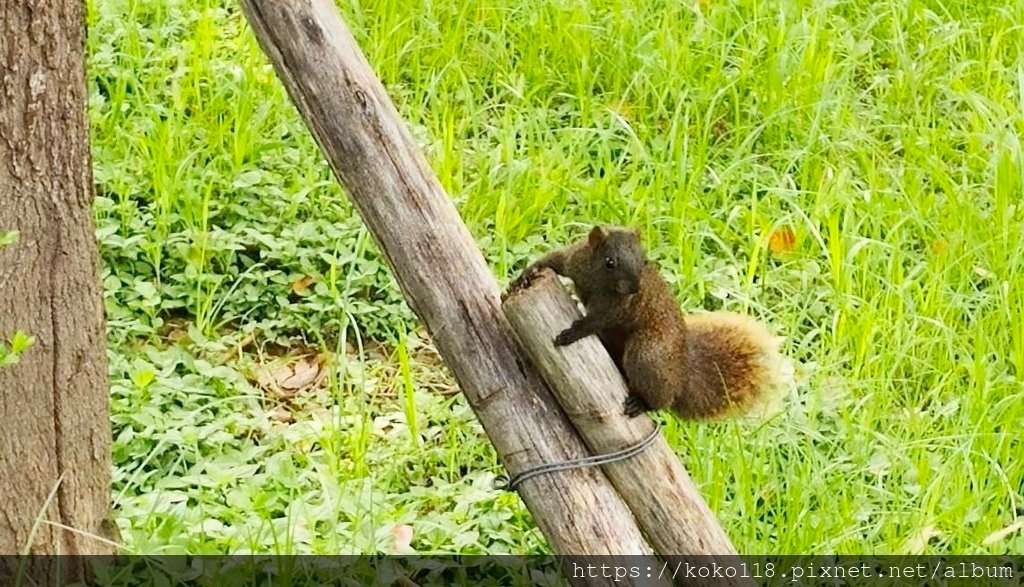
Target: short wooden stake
665, 502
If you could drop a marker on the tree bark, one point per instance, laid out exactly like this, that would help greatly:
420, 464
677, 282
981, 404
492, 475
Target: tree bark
54, 412
666, 504
440, 270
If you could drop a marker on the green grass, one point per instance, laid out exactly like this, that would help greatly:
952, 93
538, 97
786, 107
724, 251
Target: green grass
885, 134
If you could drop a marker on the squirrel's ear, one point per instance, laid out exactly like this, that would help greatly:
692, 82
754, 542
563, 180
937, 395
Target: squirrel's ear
597, 235
636, 231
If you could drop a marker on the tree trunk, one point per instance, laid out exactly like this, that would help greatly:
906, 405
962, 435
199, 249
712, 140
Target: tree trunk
54, 413
440, 270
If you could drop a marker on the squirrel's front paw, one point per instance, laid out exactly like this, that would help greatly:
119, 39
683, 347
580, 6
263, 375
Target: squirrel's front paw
565, 337
524, 279
634, 406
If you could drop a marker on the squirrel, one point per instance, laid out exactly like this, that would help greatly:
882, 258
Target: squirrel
701, 366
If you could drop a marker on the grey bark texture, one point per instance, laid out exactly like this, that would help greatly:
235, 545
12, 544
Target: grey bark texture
54, 404
665, 502
440, 270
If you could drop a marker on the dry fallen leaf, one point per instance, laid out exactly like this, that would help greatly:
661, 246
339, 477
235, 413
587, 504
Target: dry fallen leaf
918, 542
1000, 535
283, 381
782, 240
983, 272
320, 413
302, 284
267, 378
403, 538
174, 329
281, 414
302, 374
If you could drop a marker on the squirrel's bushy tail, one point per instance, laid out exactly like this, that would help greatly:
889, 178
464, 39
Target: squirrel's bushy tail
733, 367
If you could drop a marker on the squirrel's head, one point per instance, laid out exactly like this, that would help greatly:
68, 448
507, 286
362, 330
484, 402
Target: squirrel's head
616, 258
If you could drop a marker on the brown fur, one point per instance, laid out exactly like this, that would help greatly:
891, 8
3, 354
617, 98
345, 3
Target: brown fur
735, 366
704, 366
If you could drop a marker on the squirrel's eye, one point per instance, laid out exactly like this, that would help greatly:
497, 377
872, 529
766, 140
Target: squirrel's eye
609, 263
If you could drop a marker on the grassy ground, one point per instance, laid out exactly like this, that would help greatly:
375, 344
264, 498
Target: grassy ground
272, 392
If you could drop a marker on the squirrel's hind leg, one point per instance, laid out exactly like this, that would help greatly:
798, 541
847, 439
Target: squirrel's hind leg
643, 363
634, 406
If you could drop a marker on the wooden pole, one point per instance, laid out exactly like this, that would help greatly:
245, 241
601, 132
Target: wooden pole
440, 270
665, 502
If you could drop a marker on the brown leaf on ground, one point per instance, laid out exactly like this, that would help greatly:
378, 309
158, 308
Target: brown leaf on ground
1003, 534
917, 542
281, 414
284, 380
303, 374
302, 284
782, 240
174, 329
403, 536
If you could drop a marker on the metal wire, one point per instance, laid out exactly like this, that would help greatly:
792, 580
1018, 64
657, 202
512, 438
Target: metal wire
591, 461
